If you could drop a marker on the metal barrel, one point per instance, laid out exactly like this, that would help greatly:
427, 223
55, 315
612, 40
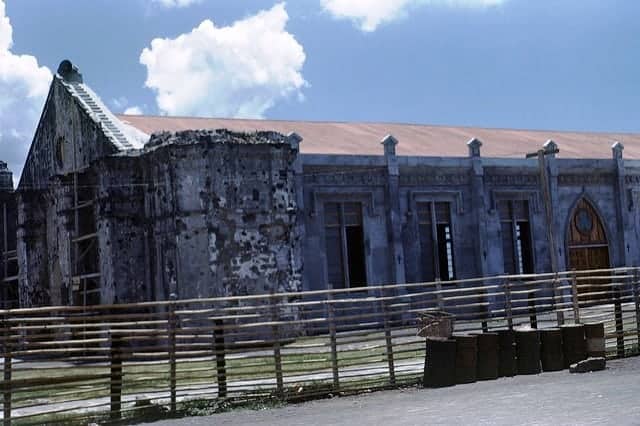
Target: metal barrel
594, 335
507, 362
487, 356
528, 351
551, 353
573, 343
440, 363
466, 358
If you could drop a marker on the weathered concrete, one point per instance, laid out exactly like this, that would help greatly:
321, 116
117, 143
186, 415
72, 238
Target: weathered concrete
223, 206
198, 214
206, 213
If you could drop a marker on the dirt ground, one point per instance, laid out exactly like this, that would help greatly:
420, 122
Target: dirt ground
605, 397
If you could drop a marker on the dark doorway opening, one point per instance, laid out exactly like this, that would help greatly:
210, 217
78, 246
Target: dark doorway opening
345, 249
355, 254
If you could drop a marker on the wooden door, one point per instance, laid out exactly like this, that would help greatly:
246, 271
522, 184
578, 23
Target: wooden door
588, 247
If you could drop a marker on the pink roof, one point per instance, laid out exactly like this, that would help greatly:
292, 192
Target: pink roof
414, 139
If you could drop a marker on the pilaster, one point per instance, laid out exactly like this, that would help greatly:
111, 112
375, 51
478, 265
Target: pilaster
479, 205
394, 218
624, 224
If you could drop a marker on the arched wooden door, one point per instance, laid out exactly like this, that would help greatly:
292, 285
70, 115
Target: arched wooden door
587, 244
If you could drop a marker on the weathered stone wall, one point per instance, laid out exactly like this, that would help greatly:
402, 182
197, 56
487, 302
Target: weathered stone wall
361, 181
473, 186
66, 139
222, 213
215, 213
122, 225
8, 234
32, 246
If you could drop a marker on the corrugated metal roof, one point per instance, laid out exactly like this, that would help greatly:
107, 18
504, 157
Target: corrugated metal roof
414, 139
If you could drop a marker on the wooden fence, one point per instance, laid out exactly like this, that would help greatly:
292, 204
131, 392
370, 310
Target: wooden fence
105, 363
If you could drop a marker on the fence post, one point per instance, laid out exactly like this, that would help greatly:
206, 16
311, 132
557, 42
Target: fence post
172, 350
7, 349
574, 297
531, 302
116, 376
619, 322
557, 294
333, 339
275, 318
439, 297
219, 351
485, 321
388, 339
636, 298
507, 303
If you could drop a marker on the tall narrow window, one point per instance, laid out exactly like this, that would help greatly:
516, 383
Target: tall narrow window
517, 249
85, 254
344, 236
9, 281
436, 241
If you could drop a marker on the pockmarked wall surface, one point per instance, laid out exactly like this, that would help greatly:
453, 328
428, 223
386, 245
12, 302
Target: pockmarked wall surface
108, 213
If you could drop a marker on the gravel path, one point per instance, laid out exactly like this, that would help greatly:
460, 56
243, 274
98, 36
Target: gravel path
606, 397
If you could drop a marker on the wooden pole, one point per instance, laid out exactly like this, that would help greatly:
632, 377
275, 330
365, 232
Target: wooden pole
5, 249
557, 296
636, 299
116, 376
388, 338
439, 297
546, 196
507, 303
7, 349
275, 318
619, 322
333, 340
531, 302
172, 325
219, 351
574, 297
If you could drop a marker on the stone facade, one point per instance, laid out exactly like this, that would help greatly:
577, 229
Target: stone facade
196, 214
212, 213
389, 188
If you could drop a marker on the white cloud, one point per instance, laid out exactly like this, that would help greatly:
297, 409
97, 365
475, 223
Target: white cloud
240, 71
369, 14
175, 3
123, 105
23, 88
133, 110
120, 103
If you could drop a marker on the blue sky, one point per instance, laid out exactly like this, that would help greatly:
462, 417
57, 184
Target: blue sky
543, 64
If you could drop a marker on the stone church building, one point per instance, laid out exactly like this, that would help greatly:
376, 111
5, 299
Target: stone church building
114, 208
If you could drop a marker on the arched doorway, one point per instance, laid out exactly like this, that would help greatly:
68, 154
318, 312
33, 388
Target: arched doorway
588, 246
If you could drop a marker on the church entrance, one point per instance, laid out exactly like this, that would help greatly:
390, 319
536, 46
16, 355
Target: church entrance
588, 248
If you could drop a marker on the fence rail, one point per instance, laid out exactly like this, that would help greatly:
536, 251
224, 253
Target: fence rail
103, 363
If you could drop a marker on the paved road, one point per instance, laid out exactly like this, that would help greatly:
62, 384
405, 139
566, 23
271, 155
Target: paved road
606, 397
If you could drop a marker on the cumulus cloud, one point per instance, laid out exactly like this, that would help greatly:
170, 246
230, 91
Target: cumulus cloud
175, 3
369, 14
240, 70
133, 110
23, 88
